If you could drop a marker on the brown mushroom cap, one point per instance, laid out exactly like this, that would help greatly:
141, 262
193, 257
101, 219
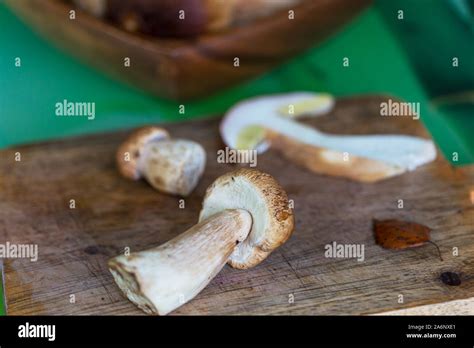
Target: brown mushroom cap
261, 195
130, 151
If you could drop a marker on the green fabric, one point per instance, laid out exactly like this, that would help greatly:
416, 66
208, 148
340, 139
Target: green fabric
431, 43
385, 57
432, 33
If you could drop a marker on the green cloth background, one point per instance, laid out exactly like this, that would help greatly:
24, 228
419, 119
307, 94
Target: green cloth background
410, 59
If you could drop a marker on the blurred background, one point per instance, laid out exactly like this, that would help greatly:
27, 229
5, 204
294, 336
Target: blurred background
410, 59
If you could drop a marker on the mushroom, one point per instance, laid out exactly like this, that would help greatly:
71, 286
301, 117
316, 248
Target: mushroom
175, 18
271, 121
245, 216
181, 18
246, 11
169, 165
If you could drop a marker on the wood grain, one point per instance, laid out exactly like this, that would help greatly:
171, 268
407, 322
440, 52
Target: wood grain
184, 69
113, 213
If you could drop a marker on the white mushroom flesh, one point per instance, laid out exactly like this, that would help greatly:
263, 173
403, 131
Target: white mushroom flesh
240, 195
402, 151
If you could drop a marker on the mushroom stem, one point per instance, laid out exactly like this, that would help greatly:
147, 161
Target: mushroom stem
163, 278
330, 162
365, 158
402, 151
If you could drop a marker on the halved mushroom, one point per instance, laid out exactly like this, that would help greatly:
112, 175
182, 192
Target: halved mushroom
169, 165
271, 121
245, 216
259, 194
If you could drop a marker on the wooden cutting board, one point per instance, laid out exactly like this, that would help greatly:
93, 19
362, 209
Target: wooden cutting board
113, 213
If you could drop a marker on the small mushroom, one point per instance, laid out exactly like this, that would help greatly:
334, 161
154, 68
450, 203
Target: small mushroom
271, 121
245, 216
246, 11
97, 8
168, 18
169, 165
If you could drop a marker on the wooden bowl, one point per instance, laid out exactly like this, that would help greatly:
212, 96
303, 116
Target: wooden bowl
185, 69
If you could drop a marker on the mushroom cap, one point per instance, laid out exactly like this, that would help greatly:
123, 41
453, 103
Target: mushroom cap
131, 149
97, 8
246, 11
261, 195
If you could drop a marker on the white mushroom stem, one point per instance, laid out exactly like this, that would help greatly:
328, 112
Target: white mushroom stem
329, 162
402, 151
162, 279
